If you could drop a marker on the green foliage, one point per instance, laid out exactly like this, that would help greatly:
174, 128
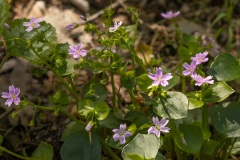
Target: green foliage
225, 118
217, 92
174, 106
194, 100
225, 68
193, 137
37, 46
4, 8
145, 146
79, 146
95, 91
44, 151
89, 109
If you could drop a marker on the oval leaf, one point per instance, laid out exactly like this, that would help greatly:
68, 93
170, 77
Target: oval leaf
174, 106
217, 92
225, 118
143, 145
101, 110
225, 68
77, 146
44, 151
189, 138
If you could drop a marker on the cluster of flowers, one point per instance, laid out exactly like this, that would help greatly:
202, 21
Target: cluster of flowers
191, 69
159, 126
76, 50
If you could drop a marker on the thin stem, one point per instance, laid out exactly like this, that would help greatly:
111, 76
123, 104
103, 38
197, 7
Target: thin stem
132, 97
3, 149
217, 148
52, 109
4, 60
113, 88
58, 76
108, 149
232, 144
205, 123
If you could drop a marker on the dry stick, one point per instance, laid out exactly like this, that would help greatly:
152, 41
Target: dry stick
94, 16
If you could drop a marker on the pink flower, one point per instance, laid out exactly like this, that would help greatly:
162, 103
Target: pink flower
77, 51
170, 14
71, 26
34, 23
159, 126
200, 80
200, 58
115, 27
88, 127
12, 96
190, 69
159, 78
121, 134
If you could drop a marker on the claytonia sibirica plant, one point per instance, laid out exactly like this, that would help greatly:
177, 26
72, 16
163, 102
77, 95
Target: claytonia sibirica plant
76, 51
200, 80
200, 58
197, 122
190, 69
12, 96
159, 126
34, 23
115, 26
170, 14
121, 134
159, 78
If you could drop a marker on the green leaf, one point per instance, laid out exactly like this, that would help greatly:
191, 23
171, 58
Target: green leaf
143, 145
128, 80
86, 108
78, 146
184, 53
71, 128
101, 110
217, 92
193, 101
60, 98
95, 91
4, 11
225, 68
209, 147
44, 151
110, 121
225, 118
135, 157
189, 138
143, 82
174, 106
30, 45
90, 109
172, 82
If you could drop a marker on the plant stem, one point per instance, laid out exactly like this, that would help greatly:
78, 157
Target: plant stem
108, 149
58, 76
205, 123
113, 86
3, 149
232, 144
52, 109
132, 97
4, 60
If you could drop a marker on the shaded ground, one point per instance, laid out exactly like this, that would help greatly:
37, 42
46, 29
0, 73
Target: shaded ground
196, 18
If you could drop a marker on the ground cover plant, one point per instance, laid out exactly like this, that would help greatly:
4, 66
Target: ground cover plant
165, 119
